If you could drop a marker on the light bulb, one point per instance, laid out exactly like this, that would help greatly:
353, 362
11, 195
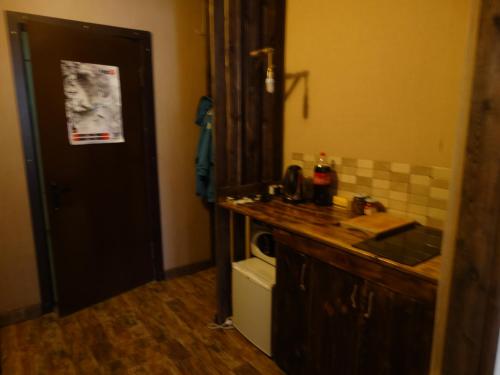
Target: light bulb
270, 81
270, 85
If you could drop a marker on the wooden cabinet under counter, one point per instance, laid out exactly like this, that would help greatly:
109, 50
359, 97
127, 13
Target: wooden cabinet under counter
338, 309
335, 318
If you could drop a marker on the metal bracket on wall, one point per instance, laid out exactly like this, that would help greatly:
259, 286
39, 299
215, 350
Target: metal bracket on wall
296, 77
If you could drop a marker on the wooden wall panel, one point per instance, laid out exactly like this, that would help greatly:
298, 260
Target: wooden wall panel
223, 265
272, 104
248, 120
248, 123
253, 78
234, 89
218, 89
473, 318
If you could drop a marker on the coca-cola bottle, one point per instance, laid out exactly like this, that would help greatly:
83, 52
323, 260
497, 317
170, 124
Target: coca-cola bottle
322, 181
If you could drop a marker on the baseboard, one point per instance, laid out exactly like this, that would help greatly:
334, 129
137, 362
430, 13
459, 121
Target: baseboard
188, 269
19, 315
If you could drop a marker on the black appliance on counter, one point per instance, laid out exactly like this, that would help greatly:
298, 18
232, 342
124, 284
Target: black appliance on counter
409, 245
293, 185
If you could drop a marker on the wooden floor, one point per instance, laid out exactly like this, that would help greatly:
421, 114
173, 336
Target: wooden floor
160, 328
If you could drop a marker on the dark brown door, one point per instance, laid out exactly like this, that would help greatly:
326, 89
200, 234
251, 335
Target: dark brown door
395, 333
100, 197
333, 331
290, 308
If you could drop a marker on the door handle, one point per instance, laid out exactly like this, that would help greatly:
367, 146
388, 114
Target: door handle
353, 296
56, 192
368, 312
302, 286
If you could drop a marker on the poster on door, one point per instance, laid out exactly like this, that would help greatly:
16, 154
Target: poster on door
92, 102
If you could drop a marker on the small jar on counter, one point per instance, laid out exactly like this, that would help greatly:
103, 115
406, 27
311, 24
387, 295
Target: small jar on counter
370, 207
358, 204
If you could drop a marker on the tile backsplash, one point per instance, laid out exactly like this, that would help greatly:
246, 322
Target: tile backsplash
411, 191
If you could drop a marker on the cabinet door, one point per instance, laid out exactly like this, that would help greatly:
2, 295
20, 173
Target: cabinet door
289, 309
333, 320
395, 333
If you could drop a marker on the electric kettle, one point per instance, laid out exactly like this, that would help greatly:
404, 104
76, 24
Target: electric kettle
293, 185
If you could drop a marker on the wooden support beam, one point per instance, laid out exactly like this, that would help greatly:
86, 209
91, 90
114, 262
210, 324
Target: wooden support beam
223, 264
474, 309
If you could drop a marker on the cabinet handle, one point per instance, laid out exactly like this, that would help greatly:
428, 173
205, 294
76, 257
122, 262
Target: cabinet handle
368, 312
302, 276
353, 296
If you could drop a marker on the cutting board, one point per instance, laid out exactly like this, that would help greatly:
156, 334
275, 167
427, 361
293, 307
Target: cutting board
377, 223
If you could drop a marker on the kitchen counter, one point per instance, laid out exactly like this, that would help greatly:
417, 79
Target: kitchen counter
322, 224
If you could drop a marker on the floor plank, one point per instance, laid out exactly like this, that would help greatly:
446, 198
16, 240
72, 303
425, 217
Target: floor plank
159, 328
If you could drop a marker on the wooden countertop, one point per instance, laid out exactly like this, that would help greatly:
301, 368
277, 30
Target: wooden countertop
322, 224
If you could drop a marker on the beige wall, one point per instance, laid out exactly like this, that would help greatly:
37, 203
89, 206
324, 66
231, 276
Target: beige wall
385, 78
394, 85
179, 78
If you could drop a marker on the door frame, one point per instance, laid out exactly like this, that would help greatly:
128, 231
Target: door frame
15, 24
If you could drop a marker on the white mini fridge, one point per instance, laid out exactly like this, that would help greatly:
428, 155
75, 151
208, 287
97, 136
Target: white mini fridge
253, 281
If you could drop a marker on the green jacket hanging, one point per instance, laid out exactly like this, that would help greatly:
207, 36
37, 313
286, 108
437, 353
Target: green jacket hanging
204, 153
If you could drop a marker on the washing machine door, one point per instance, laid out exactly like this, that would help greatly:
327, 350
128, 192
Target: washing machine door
263, 246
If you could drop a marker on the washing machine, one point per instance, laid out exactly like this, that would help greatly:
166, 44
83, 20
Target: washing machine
262, 242
253, 280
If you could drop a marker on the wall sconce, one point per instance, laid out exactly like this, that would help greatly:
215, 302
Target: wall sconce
270, 67
296, 77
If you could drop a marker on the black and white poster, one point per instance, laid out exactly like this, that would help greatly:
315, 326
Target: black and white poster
93, 103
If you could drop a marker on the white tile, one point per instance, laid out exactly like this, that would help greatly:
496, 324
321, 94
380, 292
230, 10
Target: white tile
349, 162
382, 200
308, 172
400, 177
420, 180
419, 199
309, 164
308, 157
347, 178
364, 172
420, 218
346, 194
441, 173
398, 213
380, 184
399, 196
300, 163
397, 205
438, 193
382, 175
364, 163
336, 159
438, 203
419, 189
436, 213
367, 190
435, 223
348, 170
400, 167
443, 184
417, 209
380, 192
399, 186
